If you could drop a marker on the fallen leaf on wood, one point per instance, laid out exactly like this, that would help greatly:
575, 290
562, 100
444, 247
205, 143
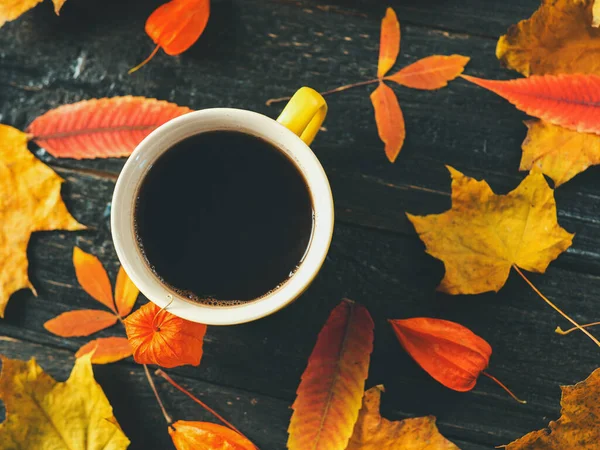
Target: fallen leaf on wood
44, 414
12, 9
432, 72
101, 128
577, 427
571, 101
389, 120
82, 322
29, 201
188, 435
483, 235
389, 42
176, 26
126, 293
106, 350
373, 432
93, 278
596, 14
330, 393
159, 337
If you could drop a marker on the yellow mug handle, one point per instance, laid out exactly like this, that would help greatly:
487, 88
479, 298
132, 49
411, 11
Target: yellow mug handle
304, 114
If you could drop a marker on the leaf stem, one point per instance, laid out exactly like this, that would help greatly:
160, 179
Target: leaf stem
503, 386
562, 332
331, 91
556, 308
160, 403
144, 62
162, 373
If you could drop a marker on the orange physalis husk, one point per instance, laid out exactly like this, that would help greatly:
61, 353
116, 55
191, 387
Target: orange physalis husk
175, 26
188, 435
159, 337
93, 278
106, 350
451, 353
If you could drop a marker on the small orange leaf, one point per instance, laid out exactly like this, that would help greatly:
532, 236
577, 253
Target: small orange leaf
430, 73
93, 278
330, 394
159, 337
126, 293
571, 101
389, 119
80, 323
101, 128
389, 42
106, 350
188, 435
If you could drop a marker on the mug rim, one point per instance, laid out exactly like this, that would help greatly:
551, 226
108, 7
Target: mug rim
164, 138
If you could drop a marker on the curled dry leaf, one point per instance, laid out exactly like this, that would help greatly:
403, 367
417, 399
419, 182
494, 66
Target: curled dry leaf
483, 235
80, 323
101, 128
188, 435
44, 414
30, 201
571, 101
106, 350
159, 337
433, 72
577, 427
389, 42
389, 120
329, 396
93, 278
126, 293
373, 432
451, 353
10, 10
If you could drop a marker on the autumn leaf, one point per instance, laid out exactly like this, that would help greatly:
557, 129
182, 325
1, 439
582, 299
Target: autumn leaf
373, 432
596, 14
14, 8
188, 435
329, 396
29, 201
101, 128
389, 120
126, 293
485, 234
571, 101
430, 73
106, 350
577, 428
389, 42
159, 337
44, 414
93, 278
175, 26
82, 322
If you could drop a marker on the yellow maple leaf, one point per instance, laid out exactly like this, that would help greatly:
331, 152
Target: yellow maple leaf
484, 234
577, 427
29, 201
12, 9
44, 414
373, 432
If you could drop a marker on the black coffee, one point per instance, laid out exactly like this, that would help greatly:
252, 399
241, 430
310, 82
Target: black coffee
223, 216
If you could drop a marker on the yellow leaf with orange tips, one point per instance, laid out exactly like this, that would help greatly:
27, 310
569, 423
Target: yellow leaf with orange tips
29, 201
43, 414
484, 234
188, 435
126, 293
12, 9
389, 42
373, 432
577, 427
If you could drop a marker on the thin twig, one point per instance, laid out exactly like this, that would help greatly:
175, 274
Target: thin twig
503, 386
562, 332
331, 91
160, 403
556, 308
144, 62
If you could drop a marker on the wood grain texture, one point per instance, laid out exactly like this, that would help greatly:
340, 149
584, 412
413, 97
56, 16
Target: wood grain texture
253, 50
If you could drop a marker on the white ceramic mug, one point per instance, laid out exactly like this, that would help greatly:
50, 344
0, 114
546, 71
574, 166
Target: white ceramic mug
292, 134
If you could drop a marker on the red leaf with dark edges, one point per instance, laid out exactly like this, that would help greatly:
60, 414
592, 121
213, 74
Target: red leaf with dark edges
101, 128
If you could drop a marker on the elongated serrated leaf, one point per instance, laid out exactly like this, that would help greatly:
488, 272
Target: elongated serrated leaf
80, 323
389, 42
101, 128
571, 101
93, 277
430, 73
126, 293
330, 393
389, 119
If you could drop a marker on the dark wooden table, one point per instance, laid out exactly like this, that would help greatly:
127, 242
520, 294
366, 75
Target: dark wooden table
256, 49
